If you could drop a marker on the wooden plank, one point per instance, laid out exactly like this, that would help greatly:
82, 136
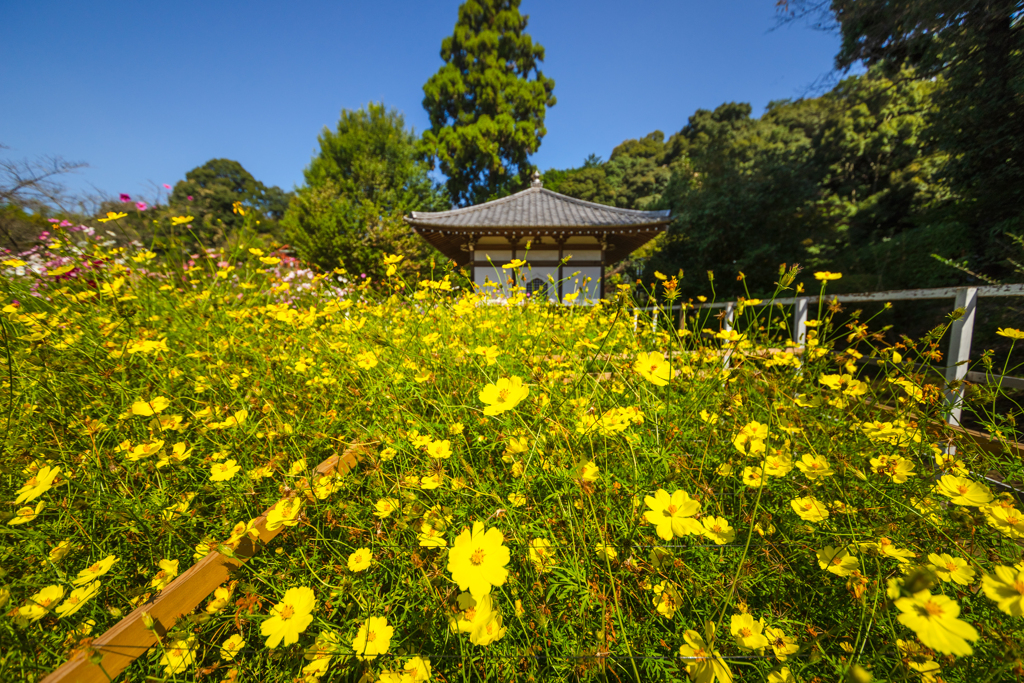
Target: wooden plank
111, 653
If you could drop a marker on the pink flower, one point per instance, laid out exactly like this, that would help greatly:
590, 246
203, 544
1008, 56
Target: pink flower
166, 186
190, 197
125, 198
53, 220
66, 224
141, 206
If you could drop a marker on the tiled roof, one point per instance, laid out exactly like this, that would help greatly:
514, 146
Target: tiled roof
538, 208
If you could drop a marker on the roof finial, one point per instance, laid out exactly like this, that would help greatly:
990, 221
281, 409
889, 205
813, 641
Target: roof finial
535, 180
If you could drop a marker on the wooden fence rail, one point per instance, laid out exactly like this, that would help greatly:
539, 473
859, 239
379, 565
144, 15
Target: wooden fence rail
111, 653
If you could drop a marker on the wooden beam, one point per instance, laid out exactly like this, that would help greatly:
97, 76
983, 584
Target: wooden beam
111, 653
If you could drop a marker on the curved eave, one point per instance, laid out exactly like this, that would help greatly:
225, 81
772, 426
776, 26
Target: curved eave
622, 239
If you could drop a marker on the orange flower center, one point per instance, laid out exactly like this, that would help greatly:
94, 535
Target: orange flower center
73, 600
503, 396
671, 509
287, 612
94, 568
1019, 586
31, 482
962, 490
745, 632
717, 528
951, 566
45, 602
371, 636
471, 614
653, 368
477, 558
932, 609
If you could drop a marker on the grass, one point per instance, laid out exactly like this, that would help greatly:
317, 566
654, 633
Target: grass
276, 368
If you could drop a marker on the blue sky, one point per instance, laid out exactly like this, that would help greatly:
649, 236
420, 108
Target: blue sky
144, 92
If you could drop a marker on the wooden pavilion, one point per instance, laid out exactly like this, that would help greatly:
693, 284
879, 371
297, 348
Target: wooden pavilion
542, 228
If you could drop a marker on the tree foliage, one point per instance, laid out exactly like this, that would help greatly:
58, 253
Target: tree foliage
974, 50
364, 179
210, 192
487, 103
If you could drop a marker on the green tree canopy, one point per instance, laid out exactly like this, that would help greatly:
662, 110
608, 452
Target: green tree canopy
486, 112
975, 52
214, 188
364, 179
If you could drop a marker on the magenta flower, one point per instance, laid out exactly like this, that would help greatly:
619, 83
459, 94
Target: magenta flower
166, 186
141, 206
66, 224
53, 220
190, 197
125, 198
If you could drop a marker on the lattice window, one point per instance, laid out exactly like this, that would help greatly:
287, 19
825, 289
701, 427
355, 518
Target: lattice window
537, 288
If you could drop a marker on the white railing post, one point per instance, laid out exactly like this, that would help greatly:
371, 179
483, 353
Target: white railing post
800, 321
636, 319
654, 323
960, 350
730, 310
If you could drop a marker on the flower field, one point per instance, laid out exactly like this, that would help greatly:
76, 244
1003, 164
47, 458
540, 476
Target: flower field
544, 493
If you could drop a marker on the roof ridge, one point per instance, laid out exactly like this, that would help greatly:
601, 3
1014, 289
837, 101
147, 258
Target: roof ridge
636, 213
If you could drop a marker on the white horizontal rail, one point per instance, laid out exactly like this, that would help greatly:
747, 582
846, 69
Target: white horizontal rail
957, 358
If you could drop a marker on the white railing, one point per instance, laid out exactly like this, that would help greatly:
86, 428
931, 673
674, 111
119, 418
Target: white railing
961, 334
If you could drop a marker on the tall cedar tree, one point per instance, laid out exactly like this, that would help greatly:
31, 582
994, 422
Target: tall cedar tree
486, 112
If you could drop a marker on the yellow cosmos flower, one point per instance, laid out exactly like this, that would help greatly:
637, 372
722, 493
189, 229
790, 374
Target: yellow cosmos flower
224, 471
704, 664
168, 570
59, 552
38, 484
231, 647
95, 570
750, 440
753, 476
839, 561
949, 568
416, 670
541, 555
718, 530
672, 515
221, 598
78, 597
934, 619
516, 500
503, 395
367, 360
112, 216
384, 507
40, 604
667, 599
178, 656
654, 368
14, 263
1007, 519
148, 408
778, 465
1010, 333
1006, 589
181, 220
490, 353
963, 491
826, 276
748, 632
782, 644
26, 514
488, 631
441, 450
514, 263
810, 509
284, 513
360, 559
373, 638
815, 467
606, 552
895, 467
589, 471
709, 418
290, 617
477, 560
